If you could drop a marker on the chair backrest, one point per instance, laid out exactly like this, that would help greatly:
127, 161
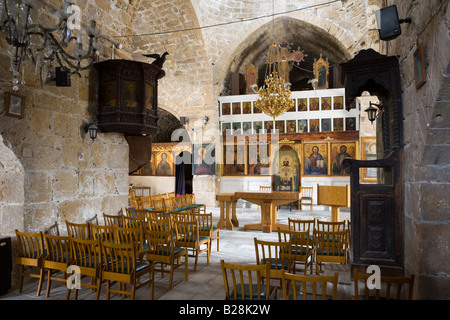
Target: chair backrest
86, 253
300, 241
274, 252
205, 220
93, 220
245, 282
331, 226
159, 204
331, 244
113, 220
121, 258
306, 192
135, 203
182, 216
103, 233
309, 287
130, 235
135, 213
78, 230
301, 225
31, 245
53, 229
146, 202
160, 223
187, 233
265, 188
133, 222
398, 288
57, 248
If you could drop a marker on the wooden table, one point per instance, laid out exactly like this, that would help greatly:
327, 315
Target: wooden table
268, 201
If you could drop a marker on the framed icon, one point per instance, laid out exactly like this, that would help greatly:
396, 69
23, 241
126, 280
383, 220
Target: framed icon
15, 105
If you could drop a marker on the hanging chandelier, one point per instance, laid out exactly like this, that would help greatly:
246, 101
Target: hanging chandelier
45, 46
275, 95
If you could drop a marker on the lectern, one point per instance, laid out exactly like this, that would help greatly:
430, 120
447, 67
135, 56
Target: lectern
335, 197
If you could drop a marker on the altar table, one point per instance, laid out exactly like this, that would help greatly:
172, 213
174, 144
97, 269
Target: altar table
268, 201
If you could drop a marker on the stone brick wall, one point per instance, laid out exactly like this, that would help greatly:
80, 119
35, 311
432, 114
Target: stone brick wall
426, 145
50, 170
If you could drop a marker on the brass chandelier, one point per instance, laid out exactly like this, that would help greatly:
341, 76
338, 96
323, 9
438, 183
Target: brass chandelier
274, 96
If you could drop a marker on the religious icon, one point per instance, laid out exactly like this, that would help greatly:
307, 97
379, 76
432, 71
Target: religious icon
326, 103
257, 126
340, 152
314, 104
251, 77
279, 125
237, 128
302, 104
247, 107
321, 72
290, 126
204, 159
236, 107
338, 103
350, 124
247, 127
302, 125
314, 125
234, 160
338, 124
286, 170
148, 96
316, 158
164, 167
225, 127
14, 105
130, 93
110, 95
326, 125
226, 110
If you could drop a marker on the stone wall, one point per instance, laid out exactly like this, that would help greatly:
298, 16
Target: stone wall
51, 171
426, 145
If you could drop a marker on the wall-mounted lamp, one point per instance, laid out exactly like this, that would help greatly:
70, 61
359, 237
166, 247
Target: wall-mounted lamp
92, 129
205, 120
372, 112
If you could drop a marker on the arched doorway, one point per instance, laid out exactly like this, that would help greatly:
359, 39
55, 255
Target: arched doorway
183, 173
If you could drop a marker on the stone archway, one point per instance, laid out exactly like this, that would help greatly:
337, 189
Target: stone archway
12, 196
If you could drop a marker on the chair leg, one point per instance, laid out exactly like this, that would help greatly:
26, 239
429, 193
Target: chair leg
21, 278
41, 280
49, 281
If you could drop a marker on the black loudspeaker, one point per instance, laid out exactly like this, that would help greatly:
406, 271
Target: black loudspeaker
5, 264
388, 23
182, 120
62, 78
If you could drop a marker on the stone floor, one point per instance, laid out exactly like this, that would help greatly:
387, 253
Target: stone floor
236, 246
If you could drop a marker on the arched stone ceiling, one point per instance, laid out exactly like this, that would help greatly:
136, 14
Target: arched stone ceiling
311, 39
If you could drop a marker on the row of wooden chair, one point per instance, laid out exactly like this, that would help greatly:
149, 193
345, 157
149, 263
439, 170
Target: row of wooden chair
169, 202
328, 242
100, 259
246, 282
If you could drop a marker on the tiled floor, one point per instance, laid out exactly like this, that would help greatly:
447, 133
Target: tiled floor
206, 283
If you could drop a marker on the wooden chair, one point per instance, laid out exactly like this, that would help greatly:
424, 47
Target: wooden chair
93, 220
53, 229
188, 237
159, 205
133, 235
305, 194
328, 226
122, 266
193, 205
86, 255
162, 248
30, 257
146, 202
309, 287
302, 226
113, 220
246, 282
135, 203
78, 230
207, 229
135, 213
397, 288
330, 247
277, 254
57, 258
133, 222
301, 248
103, 233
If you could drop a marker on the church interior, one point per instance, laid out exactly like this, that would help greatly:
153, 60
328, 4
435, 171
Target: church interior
110, 102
